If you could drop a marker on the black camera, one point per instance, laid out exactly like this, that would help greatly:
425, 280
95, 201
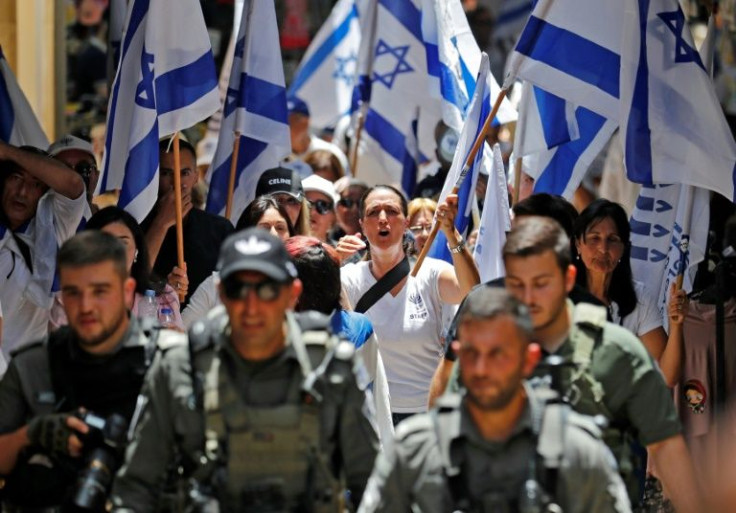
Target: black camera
104, 445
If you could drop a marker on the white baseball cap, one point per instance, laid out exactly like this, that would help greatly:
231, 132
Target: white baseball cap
71, 142
319, 184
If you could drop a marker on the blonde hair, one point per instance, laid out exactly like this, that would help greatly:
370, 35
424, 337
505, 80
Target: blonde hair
417, 205
302, 225
319, 159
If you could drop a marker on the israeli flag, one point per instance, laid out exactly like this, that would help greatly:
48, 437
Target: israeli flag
116, 14
669, 225
255, 107
326, 74
560, 141
18, 124
672, 125
479, 110
495, 221
414, 54
165, 82
571, 48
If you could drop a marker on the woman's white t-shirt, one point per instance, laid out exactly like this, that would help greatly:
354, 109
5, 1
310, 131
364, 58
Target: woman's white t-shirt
409, 328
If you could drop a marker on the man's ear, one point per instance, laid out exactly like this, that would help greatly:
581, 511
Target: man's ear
129, 292
295, 291
570, 275
531, 358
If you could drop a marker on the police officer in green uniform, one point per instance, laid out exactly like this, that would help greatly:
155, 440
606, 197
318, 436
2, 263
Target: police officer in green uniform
502, 447
264, 414
612, 373
97, 363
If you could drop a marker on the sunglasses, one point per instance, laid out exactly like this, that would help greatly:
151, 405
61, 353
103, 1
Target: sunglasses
267, 290
347, 202
419, 228
321, 206
85, 169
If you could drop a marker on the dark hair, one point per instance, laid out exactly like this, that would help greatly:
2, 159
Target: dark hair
166, 145
318, 267
255, 210
93, 247
549, 205
486, 303
621, 290
140, 270
534, 235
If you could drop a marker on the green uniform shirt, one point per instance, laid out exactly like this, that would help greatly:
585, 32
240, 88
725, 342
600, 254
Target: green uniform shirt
170, 421
411, 472
635, 393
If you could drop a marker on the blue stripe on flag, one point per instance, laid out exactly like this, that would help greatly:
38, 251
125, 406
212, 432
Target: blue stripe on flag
323, 52
638, 142
557, 174
433, 59
7, 115
390, 138
250, 149
468, 77
511, 15
552, 111
260, 97
572, 54
140, 9
180, 87
407, 14
141, 167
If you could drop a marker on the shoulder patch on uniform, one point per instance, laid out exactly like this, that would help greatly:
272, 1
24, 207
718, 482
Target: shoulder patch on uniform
26, 348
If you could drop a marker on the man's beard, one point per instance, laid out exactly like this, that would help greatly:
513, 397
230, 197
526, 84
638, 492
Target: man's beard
106, 331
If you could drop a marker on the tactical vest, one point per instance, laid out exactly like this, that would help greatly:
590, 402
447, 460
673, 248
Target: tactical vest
538, 494
268, 459
40, 482
586, 394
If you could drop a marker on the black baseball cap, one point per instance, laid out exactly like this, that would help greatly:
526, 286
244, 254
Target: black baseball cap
280, 180
255, 249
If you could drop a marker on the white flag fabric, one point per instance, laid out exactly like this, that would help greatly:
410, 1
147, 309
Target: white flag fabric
660, 224
326, 74
672, 125
18, 124
571, 48
420, 54
255, 107
478, 112
165, 82
495, 221
116, 14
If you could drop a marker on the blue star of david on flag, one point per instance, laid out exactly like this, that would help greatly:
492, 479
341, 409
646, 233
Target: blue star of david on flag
675, 21
345, 68
144, 91
399, 52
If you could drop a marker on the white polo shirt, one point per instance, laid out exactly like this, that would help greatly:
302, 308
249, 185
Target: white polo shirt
26, 298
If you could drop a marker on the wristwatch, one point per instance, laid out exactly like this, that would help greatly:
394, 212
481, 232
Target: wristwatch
459, 248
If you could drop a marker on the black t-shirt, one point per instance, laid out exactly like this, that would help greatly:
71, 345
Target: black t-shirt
203, 236
576, 295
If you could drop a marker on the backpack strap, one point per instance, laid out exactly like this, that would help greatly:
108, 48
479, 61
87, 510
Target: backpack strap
587, 332
446, 420
382, 286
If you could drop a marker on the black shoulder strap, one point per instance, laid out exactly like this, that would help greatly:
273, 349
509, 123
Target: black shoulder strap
58, 367
386, 283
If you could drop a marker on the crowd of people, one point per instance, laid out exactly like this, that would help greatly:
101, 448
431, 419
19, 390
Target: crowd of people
292, 355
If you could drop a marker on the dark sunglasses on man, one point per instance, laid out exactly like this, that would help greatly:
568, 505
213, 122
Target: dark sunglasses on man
267, 290
321, 206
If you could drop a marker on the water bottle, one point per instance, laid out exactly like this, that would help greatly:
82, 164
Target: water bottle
166, 318
148, 306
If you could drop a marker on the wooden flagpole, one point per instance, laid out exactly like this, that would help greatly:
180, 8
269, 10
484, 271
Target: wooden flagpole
231, 181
